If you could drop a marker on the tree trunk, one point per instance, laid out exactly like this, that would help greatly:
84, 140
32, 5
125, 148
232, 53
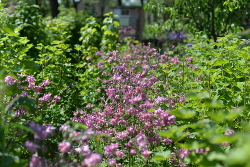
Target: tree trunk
119, 2
75, 4
142, 2
213, 33
54, 8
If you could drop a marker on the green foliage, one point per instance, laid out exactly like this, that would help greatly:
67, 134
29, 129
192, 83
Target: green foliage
214, 18
217, 101
95, 36
28, 20
245, 34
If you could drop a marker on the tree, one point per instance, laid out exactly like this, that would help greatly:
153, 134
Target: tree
212, 17
119, 2
54, 8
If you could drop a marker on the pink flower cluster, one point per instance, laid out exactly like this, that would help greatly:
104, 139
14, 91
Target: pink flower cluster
26, 83
132, 114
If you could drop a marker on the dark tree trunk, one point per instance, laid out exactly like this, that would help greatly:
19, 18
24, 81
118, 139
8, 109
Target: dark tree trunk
142, 2
213, 33
102, 8
67, 4
75, 4
37, 2
54, 8
119, 2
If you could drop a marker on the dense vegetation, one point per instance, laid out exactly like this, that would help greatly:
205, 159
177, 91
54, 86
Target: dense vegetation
75, 92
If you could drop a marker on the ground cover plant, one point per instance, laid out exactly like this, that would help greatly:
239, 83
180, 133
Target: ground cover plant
105, 102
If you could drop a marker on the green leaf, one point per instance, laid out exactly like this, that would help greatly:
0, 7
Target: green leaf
196, 96
184, 113
3, 72
22, 127
9, 160
31, 65
220, 138
116, 23
56, 42
168, 133
161, 156
12, 90
27, 103
194, 145
78, 125
216, 156
238, 156
213, 103
9, 29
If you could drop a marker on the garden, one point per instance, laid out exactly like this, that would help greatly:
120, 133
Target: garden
76, 91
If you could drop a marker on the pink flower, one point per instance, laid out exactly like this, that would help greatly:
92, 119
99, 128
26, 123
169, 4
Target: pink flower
200, 151
196, 79
32, 147
46, 82
64, 147
112, 162
57, 98
146, 154
38, 88
184, 153
111, 92
229, 132
93, 160
167, 141
175, 60
109, 150
133, 152
120, 154
34, 161
194, 68
9, 80
88, 105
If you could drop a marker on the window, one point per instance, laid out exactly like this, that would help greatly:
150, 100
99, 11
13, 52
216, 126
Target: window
125, 12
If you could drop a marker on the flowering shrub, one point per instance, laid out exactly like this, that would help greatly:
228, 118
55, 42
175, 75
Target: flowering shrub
31, 99
126, 33
135, 109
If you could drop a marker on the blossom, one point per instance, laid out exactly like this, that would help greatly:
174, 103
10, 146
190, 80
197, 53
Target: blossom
85, 150
38, 88
64, 127
194, 68
9, 80
32, 147
184, 153
92, 160
46, 82
146, 154
160, 99
30, 78
41, 132
112, 162
109, 150
133, 152
57, 98
120, 154
200, 151
229, 132
34, 161
175, 60
111, 92
64, 147
46, 97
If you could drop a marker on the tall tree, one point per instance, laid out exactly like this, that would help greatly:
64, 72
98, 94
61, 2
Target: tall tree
119, 2
212, 17
54, 8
